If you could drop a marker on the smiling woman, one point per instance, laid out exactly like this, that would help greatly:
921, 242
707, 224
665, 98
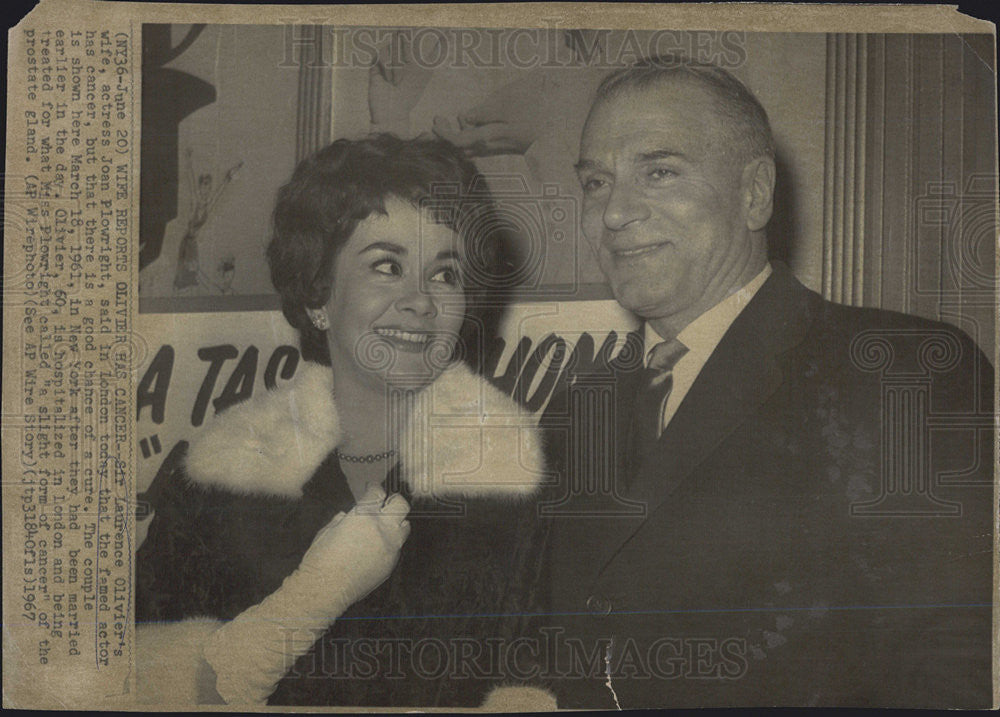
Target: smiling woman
395, 285
290, 517
344, 193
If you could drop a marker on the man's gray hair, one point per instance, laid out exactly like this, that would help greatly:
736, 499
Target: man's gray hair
745, 122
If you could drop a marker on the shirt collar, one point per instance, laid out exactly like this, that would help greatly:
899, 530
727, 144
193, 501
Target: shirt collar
703, 334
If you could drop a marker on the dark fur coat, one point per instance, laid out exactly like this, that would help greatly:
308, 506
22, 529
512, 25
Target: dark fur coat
256, 487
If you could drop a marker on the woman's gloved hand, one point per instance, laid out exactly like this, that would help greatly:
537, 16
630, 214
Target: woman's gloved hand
351, 556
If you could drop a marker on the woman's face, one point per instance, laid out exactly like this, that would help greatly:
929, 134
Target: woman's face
397, 302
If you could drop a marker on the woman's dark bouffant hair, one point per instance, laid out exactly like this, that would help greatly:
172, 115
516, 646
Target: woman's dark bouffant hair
345, 182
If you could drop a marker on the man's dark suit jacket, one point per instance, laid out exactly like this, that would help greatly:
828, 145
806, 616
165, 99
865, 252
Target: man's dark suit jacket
814, 527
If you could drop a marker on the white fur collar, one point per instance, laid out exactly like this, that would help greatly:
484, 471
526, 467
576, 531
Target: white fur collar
465, 439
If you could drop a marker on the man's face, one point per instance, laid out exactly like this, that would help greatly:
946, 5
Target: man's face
664, 208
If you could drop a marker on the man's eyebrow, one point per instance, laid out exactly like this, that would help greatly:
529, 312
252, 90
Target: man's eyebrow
585, 164
384, 246
650, 156
656, 154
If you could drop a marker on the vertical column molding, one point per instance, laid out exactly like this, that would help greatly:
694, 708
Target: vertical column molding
845, 168
315, 101
910, 148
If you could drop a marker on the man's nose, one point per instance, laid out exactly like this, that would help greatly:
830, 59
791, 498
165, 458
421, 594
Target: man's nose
624, 207
417, 302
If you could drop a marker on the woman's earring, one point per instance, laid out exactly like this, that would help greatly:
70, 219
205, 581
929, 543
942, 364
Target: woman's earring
319, 319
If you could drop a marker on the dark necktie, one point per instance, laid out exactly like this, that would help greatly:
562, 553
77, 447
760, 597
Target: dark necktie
655, 387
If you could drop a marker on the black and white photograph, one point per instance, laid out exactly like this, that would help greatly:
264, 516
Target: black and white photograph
600, 369
561, 366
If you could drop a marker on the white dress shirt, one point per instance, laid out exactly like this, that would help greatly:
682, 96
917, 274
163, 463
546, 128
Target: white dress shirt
701, 337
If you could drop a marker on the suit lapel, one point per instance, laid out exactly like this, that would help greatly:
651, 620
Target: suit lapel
741, 374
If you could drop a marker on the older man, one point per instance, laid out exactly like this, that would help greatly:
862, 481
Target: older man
780, 526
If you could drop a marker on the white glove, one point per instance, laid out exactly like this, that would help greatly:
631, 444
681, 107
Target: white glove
351, 556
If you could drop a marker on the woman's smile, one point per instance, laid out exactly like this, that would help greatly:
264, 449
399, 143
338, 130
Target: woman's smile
412, 341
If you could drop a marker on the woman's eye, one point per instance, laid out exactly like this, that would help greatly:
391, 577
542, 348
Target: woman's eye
447, 276
592, 184
388, 267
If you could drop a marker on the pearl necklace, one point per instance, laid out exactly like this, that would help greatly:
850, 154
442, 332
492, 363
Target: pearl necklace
370, 458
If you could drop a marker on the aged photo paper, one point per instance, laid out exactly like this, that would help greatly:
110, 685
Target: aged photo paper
503, 357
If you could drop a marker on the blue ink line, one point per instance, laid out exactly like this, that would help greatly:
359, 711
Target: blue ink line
660, 612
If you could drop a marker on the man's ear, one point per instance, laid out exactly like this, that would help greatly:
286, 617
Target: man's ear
758, 192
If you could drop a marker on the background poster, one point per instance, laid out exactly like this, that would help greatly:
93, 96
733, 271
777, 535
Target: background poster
228, 109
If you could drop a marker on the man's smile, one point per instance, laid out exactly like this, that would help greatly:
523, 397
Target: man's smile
637, 251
